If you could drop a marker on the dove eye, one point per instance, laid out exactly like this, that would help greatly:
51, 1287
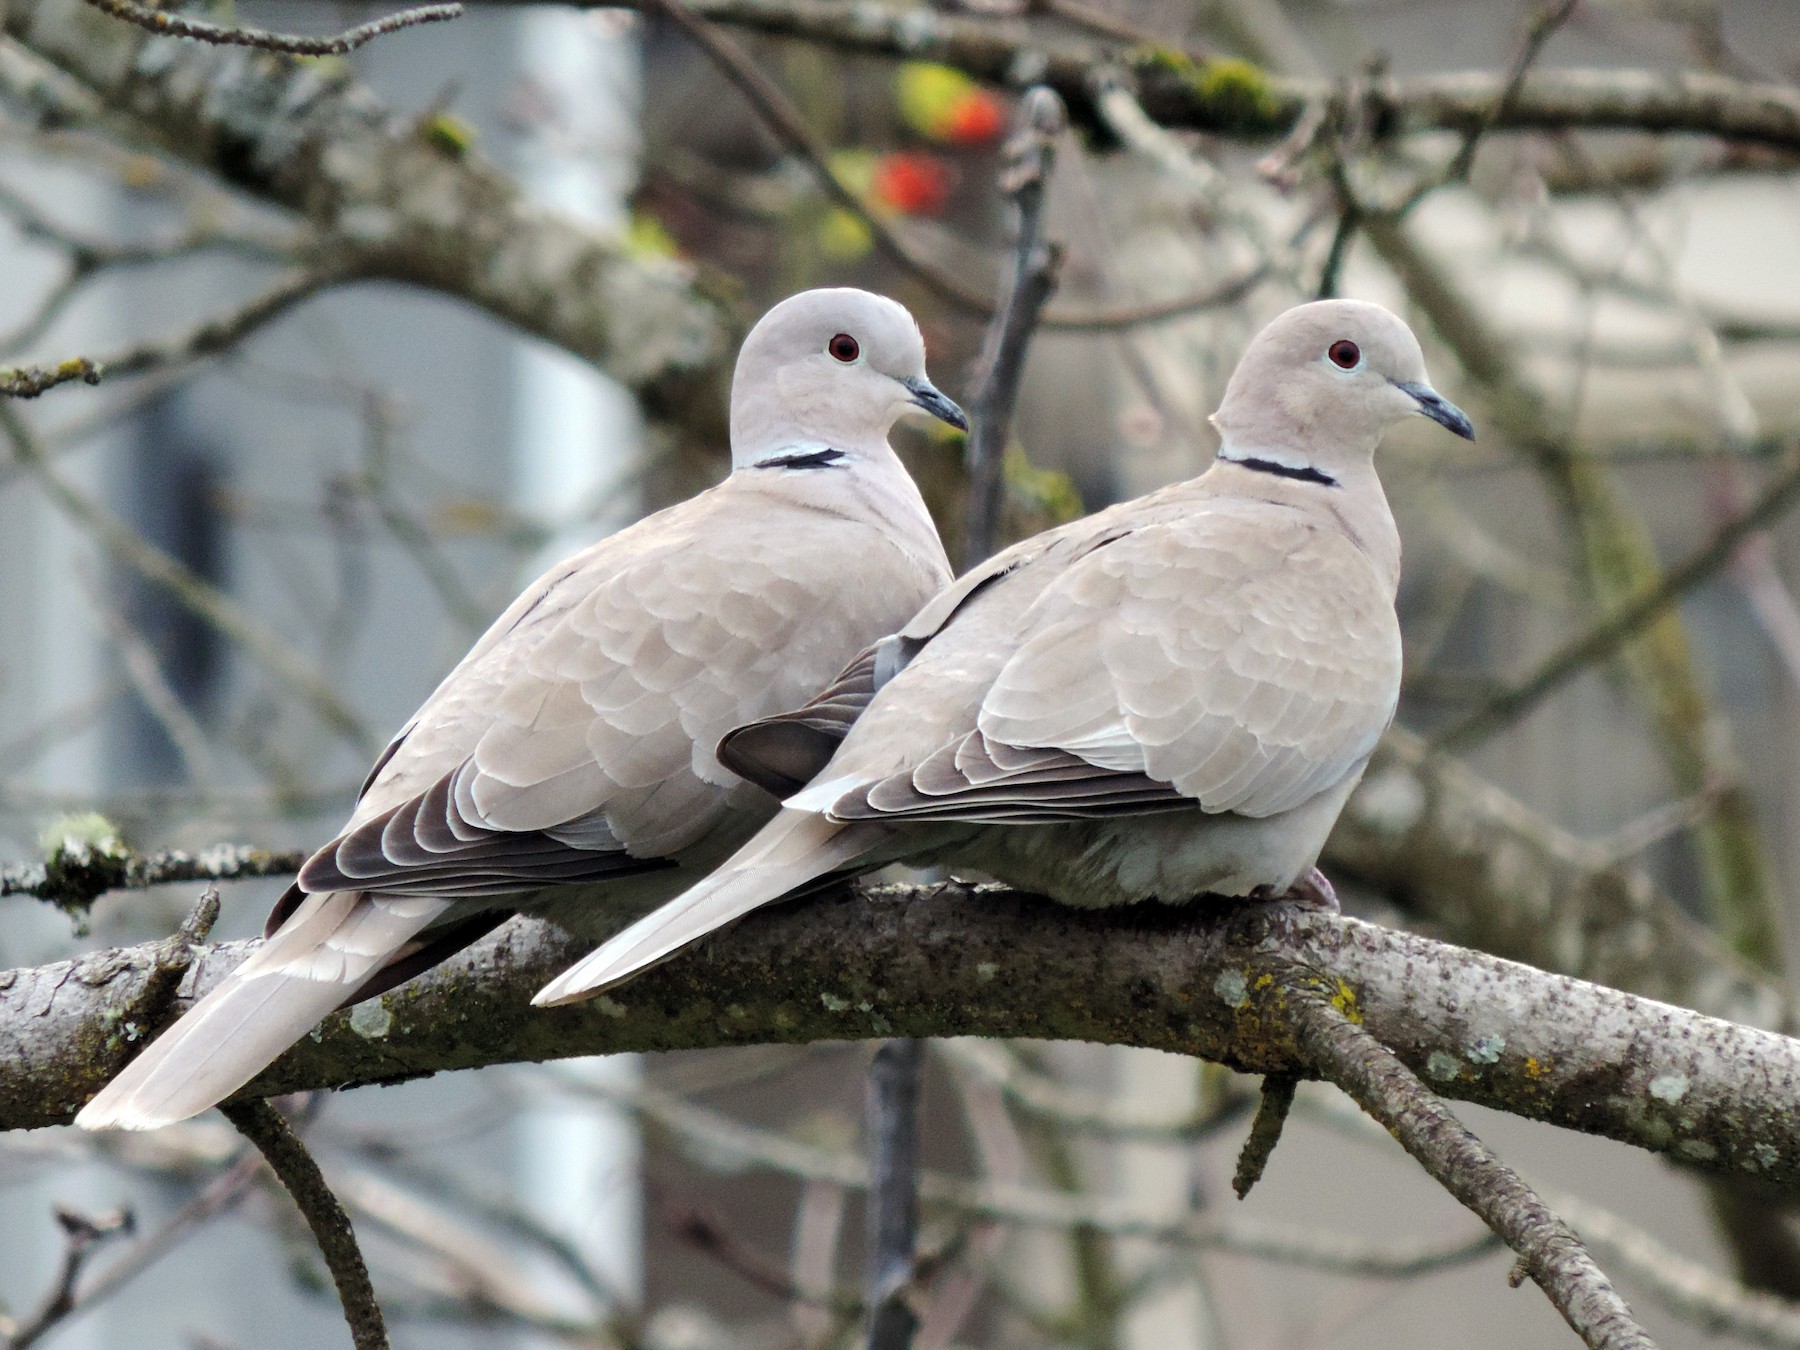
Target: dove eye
844, 348
1344, 354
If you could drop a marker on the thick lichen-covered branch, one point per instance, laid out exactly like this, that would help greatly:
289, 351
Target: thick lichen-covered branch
951, 960
391, 199
1486, 870
1234, 97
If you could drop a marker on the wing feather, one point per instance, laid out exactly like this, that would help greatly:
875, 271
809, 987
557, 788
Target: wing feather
1242, 657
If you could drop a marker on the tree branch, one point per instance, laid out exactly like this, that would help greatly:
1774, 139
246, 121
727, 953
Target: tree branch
30, 381
1629, 618
82, 1237
1232, 98
788, 127
892, 1112
1485, 870
1030, 279
954, 960
721, 1144
165, 24
188, 588
1548, 1251
1265, 1132
300, 1176
78, 870
395, 201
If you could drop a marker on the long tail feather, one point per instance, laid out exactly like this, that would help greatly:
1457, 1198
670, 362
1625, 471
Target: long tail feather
791, 850
321, 956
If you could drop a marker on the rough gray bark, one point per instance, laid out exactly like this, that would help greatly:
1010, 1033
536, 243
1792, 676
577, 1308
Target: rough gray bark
399, 201
1235, 98
953, 960
1549, 1252
1485, 870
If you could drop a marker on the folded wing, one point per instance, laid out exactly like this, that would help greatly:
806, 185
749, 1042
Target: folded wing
1239, 659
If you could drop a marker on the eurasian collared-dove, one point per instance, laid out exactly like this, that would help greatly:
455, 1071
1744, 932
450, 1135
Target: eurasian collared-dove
567, 766
1172, 697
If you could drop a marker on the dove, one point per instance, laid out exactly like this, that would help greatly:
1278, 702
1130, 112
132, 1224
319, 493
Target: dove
1170, 698
567, 766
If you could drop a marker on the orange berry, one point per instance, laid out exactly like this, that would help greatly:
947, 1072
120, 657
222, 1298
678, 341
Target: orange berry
973, 119
912, 183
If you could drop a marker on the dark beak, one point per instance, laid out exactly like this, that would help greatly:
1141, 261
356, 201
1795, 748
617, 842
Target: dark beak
925, 395
1439, 409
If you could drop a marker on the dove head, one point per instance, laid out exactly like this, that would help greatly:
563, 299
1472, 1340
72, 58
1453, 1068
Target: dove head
1322, 384
830, 370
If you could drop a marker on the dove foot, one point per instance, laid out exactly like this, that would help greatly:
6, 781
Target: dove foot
1312, 891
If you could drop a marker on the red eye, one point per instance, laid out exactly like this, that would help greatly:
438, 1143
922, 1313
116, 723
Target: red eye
844, 347
1344, 354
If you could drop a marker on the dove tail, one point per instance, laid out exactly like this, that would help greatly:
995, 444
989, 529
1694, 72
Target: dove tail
321, 957
791, 850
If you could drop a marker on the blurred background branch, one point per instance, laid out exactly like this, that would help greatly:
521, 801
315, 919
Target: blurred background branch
379, 335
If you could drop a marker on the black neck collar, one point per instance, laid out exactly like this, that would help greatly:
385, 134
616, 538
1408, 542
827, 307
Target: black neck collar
805, 459
1300, 473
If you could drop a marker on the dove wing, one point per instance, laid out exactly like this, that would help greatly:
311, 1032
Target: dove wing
1243, 657
575, 743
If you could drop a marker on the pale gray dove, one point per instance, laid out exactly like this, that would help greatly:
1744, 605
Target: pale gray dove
567, 766
1172, 697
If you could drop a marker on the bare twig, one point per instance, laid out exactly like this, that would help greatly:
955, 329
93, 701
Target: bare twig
723, 1141
1680, 1284
210, 338
80, 870
1125, 117
143, 669
893, 1212
1227, 292
176, 955
1630, 618
1542, 29
191, 590
396, 197
165, 24
220, 1194
1031, 153
1548, 1251
1643, 833
1071, 1108
893, 1087
1620, 565
1100, 22
30, 381
89, 257
226, 331
1690, 1290
82, 1236
1265, 1131
705, 1233
294, 1167
785, 122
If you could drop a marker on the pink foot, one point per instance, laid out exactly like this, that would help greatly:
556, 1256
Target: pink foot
1311, 891
1316, 892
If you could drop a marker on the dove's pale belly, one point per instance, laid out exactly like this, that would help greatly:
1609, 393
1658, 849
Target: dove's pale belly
1171, 856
